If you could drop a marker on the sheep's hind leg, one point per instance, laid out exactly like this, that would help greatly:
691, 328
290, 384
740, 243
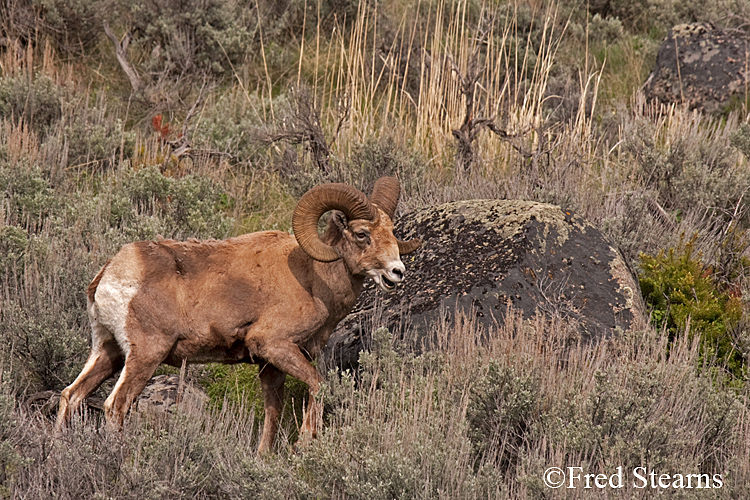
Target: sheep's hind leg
272, 382
140, 365
105, 359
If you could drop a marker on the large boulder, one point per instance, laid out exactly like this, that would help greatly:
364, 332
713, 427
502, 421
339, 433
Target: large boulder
700, 66
481, 256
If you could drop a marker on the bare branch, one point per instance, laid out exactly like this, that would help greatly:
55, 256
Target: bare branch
302, 126
661, 214
181, 146
198, 102
344, 108
467, 133
121, 51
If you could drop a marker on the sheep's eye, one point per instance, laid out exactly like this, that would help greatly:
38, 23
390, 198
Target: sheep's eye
361, 235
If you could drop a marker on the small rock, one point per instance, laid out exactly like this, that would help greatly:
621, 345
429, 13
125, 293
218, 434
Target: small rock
161, 395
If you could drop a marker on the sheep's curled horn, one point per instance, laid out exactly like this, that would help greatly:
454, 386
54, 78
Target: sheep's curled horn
353, 203
318, 201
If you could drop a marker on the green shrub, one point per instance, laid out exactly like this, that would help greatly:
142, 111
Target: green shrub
54, 239
10, 458
186, 37
657, 16
621, 416
37, 101
383, 439
666, 13
501, 409
684, 297
634, 415
159, 447
27, 193
740, 139
236, 385
74, 25
689, 169
190, 206
606, 30
282, 20
689, 176
93, 138
376, 157
13, 241
46, 343
227, 125
634, 14
43, 323
404, 428
630, 226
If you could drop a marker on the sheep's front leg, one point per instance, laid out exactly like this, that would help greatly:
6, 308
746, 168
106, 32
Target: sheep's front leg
287, 357
312, 421
272, 382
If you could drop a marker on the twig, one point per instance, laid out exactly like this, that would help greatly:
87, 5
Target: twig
194, 108
302, 127
472, 124
661, 214
346, 106
181, 146
181, 383
121, 51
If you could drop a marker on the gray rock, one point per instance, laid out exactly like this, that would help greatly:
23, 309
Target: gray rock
162, 394
481, 256
700, 66
159, 396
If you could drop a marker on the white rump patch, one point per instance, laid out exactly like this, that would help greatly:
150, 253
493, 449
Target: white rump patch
120, 283
112, 305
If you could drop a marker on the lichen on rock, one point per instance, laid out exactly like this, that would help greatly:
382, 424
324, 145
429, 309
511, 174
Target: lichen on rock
700, 66
482, 256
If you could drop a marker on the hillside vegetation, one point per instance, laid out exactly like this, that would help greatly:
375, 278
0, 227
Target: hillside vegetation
130, 120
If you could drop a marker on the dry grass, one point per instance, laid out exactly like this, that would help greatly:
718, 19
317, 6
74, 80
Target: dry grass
412, 427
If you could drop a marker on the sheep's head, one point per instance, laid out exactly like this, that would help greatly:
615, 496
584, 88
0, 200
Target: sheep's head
362, 232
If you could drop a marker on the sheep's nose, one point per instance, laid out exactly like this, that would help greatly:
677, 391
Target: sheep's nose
397, 270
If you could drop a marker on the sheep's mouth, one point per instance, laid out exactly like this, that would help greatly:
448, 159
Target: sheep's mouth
388, 284
386, 280
384, 283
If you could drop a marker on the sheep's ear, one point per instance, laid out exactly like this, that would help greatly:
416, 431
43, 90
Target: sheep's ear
338, 220
407, 247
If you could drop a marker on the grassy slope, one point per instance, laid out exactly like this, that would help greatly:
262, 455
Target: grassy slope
86, 170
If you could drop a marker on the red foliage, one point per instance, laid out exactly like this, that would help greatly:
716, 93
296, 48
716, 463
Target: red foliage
162, 130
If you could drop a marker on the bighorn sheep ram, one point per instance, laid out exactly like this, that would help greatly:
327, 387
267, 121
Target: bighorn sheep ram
261, 298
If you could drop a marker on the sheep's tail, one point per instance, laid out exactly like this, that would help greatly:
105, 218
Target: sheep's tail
95, 283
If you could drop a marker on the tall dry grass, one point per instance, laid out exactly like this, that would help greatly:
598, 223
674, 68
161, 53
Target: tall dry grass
413, 84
